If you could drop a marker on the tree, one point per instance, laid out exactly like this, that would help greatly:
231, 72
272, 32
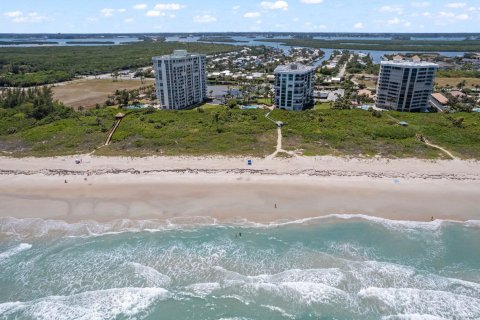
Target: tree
216, 117
232, 103
115, 75
461, 84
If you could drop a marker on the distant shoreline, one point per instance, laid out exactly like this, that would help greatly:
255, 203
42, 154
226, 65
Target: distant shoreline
105, 189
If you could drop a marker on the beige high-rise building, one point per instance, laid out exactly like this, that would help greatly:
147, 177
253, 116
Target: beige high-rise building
405, 85
181, 79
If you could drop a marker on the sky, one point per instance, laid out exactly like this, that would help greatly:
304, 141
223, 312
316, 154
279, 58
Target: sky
124, 16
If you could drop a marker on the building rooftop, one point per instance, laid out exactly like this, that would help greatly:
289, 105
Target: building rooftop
409, 64
440, 98
179, 54
457, 94
294, 68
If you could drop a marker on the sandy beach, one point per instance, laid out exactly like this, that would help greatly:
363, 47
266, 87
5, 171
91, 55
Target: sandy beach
105, 189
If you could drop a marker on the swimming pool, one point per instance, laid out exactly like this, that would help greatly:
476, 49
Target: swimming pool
249, 107
137, 106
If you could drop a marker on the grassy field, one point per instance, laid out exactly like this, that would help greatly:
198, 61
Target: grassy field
87, 93
220, 131
322, 106
265, 101
470, 82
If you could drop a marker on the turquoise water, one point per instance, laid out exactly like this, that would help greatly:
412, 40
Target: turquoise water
137, 106
249, 107
339, 267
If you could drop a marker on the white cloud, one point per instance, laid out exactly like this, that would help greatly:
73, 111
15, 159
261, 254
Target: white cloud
20, 17
358, 25
420, 4
407, 24
277, 5
311, 1
463, 16
252, 15
169, 6
393, 9
140, 6
456, 5
311, 26
129, 20
154, 13
205, 18
13, 14
236, 8
449, 16
394, 21
122, 10
159, 9
106, 12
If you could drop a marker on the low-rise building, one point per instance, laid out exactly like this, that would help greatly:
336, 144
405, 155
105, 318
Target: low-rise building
438, 101
458, 94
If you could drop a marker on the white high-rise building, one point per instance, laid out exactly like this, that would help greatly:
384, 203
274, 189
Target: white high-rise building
405, 85
181, 80
294, 84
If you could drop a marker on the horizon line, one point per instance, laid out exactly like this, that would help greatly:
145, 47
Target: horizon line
245, 32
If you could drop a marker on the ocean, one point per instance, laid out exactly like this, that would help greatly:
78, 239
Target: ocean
335, 267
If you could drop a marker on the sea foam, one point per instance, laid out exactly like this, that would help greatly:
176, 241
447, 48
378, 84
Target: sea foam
423, 302
36, 227
92, 305
13, 251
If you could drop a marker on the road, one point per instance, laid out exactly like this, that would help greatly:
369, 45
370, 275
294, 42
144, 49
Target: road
342, 72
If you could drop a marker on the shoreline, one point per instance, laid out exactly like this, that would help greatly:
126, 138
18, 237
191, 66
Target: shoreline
105, 189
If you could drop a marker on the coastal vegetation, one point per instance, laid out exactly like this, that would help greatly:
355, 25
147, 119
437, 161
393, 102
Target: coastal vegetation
458, 83
362, 65
219, 130
384, 45
22, 67
458, 74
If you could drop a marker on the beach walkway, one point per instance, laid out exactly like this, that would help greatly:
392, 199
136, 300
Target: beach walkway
428, 143
119, 117
278, 148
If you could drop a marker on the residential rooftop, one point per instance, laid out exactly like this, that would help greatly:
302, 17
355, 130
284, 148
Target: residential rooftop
409, 63
440, 98
293, 68
179, 54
